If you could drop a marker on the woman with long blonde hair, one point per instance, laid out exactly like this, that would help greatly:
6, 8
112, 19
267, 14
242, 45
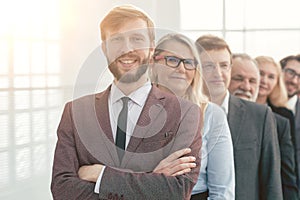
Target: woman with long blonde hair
272, 90
176, 69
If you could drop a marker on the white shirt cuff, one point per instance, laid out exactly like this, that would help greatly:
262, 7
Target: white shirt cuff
97, 186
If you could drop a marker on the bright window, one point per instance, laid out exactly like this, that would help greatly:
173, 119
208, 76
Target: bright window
30, 89
255, 27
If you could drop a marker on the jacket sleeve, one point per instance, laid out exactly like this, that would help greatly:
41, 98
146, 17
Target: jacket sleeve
288, 173
65, 182
270, 180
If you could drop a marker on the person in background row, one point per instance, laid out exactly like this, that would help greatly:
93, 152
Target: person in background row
291, 73
244, 81
272, 90
177, 70
252, 126
111, 144
245, 78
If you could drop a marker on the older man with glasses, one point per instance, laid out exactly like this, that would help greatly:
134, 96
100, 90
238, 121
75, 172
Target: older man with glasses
291, 69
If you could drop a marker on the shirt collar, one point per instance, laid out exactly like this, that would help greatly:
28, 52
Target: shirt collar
292, 103
138, 96
225, 103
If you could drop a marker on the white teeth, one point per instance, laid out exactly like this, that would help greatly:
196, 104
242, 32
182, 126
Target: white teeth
127, 61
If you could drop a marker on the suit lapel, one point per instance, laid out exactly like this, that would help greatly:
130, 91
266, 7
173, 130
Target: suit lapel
236, 115
102, 113
297, 112
297, 121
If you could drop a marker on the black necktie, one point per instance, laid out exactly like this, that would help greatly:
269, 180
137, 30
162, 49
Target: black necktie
121, 128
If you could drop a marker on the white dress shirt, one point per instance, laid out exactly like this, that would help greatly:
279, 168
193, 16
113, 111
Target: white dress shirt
292, 103
225, 103
137, 100
136, 103
217, 164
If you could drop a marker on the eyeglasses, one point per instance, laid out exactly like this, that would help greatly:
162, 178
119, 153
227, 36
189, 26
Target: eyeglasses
290, 73
174, 62
210, 66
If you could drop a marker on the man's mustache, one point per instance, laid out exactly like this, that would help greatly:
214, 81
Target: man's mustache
241, 92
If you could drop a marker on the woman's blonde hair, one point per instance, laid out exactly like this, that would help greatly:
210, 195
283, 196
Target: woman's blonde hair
278, 96
194, 92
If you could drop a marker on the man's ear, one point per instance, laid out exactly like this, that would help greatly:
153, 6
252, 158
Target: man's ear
103, 46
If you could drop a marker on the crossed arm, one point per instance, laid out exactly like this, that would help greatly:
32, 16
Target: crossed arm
174, 165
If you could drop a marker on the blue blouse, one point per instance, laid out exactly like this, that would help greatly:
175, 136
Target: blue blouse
217, 163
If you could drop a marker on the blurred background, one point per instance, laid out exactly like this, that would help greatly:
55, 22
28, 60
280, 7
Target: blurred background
44, 44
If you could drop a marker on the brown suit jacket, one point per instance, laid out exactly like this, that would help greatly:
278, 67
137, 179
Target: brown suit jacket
165, 125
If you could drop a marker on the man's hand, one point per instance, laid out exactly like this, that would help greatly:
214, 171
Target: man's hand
175, 164
90, 172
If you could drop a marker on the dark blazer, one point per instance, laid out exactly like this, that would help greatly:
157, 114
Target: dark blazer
256, 150
297, 141
288, 171
165, 125
287, 114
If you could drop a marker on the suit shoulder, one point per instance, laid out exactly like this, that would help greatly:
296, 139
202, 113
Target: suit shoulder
86, 98
279, 117
280, 120
283, 112
252, 106
83, 103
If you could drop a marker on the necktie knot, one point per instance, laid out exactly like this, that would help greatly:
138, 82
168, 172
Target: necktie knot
125, 101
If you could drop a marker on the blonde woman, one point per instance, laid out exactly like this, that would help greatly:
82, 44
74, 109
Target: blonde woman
272, 90
176, 69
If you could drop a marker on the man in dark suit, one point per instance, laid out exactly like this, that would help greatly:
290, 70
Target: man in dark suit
245, 82
291, 69
252, 126
110, 145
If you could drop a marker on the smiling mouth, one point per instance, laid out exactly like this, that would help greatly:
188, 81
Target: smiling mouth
177, 77
264, 88
128, 62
